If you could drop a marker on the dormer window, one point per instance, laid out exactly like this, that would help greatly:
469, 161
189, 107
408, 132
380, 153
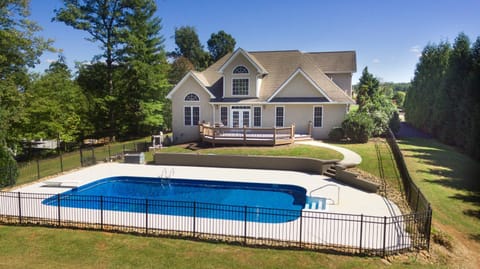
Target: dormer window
191, 97
240, 70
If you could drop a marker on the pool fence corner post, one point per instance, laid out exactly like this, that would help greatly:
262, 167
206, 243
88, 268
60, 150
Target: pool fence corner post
81, 157
301, 228
19, 207
101, 212
245, 225
38, 168
194, 217
384, 235
146, 216
109, 152
93, 156
361, 232
58, 208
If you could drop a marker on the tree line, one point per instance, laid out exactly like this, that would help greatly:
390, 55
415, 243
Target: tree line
444, 98
120, 93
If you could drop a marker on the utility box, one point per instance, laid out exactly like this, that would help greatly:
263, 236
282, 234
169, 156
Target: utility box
138, 158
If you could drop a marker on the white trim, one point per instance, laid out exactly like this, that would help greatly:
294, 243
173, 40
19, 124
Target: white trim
189, 74
299, 71
248, 84
259, 68
283, 120
189, 100
313, 117
280, 103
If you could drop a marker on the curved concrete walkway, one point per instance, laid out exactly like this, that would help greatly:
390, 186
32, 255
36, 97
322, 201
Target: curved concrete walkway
349, 157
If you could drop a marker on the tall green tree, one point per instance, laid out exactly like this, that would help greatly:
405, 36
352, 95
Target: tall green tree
189, 46
220, 44
20, 49
145, 69
103, 20
368, 87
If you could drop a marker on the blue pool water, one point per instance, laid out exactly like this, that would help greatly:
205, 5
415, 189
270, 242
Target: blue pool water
271, 203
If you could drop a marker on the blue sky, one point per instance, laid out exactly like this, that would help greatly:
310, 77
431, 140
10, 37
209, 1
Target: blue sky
387, 35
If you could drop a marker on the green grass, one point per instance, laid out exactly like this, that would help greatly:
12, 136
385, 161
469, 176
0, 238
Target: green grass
288, 150
451, 182
27, 247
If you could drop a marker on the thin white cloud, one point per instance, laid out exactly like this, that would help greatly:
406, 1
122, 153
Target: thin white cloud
416, 50
376, 61
51, 61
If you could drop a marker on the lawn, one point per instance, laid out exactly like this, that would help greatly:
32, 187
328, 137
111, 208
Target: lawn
27, 247
451, 182
287, 150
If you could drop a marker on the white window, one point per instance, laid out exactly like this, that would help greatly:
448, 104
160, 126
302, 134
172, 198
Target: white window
191, 97
240, 86
317, 116
279, 116
257, 116
240, 70
224, 115
191, 115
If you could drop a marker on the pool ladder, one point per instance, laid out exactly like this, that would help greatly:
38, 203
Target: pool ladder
328, 185
166, 174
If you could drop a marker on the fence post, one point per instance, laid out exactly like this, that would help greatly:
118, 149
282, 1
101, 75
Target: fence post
93, 156
245, 226
146, 216
194, 216
38, 168
58, 207
301, 225
361, 231
101, 212
109, 152
81, 157
61, 162
384, 234
19, 208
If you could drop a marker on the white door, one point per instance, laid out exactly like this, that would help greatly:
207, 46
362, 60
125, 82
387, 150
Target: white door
240, 118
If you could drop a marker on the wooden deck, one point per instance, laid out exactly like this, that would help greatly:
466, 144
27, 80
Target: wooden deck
247, 136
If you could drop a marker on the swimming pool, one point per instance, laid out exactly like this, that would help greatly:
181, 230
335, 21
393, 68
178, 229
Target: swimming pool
259, 202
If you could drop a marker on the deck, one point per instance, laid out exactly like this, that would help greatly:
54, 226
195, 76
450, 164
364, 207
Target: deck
249, 136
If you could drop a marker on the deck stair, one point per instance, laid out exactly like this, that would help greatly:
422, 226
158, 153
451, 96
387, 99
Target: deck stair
331, 172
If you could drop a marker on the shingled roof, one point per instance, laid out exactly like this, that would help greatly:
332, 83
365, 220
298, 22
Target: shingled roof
280, 65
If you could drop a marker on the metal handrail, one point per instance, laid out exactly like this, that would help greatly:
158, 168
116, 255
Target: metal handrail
328, 185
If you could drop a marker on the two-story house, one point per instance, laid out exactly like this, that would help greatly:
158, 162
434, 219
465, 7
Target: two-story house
266, 89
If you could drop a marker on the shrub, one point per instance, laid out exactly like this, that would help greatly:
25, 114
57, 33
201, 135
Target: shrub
336, 134
358, 127
8, 168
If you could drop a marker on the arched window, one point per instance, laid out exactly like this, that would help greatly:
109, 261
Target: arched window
240, 70
191, 97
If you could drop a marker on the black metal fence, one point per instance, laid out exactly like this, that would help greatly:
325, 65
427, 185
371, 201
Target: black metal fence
414, 196
358, 234
65, 161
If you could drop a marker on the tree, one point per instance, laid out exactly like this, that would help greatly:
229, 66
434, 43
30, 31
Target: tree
103, 20
20, 48
399, 98
188, 46
368, 87
220, 44
55, 105
144, 78
179, 68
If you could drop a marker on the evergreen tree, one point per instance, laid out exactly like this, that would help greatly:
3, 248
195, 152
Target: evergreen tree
368, 87
188, 46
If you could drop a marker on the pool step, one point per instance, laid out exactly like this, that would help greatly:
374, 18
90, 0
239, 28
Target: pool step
315, 203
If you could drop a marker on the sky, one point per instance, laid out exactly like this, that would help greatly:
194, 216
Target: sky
387, 35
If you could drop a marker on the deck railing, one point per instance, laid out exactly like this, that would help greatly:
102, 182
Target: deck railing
247, 135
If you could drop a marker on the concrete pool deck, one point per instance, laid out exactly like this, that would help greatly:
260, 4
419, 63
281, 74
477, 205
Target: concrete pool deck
380, 220
347, 200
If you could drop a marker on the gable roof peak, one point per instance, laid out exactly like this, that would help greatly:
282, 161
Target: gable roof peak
248, 56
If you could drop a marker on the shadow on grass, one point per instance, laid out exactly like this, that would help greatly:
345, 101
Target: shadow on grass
452, 169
